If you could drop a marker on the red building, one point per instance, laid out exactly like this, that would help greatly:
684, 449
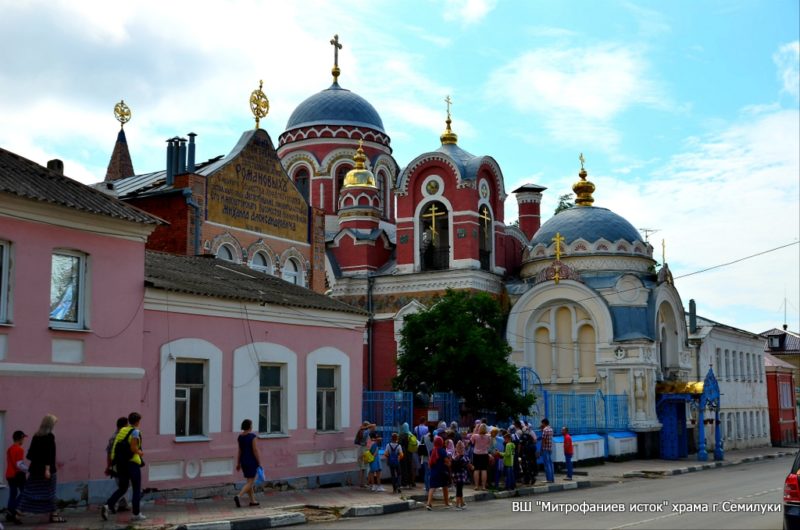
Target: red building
780, 397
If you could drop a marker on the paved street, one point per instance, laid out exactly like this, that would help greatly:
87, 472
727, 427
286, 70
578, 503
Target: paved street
751, 483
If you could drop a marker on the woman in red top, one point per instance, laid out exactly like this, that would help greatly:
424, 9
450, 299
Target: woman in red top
568, 451
15, 475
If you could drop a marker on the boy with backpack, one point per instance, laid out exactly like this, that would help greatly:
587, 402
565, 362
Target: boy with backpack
394, 454
126, 459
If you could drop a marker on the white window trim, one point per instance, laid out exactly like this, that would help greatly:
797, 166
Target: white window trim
188, 396
246, 385
295, 277
192, 349
266, 269
83, 290
5, 282
328, 357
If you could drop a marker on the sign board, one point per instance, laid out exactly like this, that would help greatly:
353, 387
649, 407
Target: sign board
433, 415
253, 192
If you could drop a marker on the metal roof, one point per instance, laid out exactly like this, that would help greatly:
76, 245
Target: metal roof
589, 223
335, 106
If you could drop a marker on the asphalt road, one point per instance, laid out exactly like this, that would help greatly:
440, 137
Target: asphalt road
724, 493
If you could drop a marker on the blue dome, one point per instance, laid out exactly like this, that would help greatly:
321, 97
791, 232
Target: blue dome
589, 223
335, 106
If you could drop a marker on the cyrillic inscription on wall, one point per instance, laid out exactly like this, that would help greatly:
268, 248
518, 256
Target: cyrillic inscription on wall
253, 192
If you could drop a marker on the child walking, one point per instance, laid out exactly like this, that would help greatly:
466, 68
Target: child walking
509, 454
15, 475
461, 467
394, 454
375, 465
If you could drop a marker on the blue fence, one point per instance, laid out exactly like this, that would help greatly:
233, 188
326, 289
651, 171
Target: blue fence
387, 410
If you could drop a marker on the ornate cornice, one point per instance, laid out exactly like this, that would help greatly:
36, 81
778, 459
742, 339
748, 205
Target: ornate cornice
333, 132
405, 176
591, 263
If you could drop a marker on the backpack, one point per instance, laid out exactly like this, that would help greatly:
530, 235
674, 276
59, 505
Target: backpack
122, 453
422, 449
394, 455
413, 443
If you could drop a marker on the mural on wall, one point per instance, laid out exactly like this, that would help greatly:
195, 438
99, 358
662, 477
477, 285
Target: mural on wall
253, 192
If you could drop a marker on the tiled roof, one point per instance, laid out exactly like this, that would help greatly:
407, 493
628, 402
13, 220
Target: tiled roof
790, 341
586, 222
24, 178
208, 276
335, 106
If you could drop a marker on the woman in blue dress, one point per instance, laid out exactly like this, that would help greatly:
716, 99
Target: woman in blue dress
439, 463
248, 461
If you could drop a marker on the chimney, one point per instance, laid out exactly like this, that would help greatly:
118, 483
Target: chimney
190, 163
170, 157
181, 156
692, 316
529, 198
56, 165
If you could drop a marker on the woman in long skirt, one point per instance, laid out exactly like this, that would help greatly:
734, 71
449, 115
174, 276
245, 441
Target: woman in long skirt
39, 495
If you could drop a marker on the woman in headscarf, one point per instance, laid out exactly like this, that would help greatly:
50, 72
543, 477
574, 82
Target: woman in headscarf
39, 495
407, 471
440, 472
450, 448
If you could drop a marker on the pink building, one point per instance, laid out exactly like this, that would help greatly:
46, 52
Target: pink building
194, 344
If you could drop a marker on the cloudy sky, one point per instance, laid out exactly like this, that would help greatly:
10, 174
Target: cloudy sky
686, 111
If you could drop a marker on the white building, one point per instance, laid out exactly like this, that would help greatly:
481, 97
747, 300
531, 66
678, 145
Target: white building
737, 359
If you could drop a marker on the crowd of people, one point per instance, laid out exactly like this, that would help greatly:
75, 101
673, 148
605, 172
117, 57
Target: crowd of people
445, 456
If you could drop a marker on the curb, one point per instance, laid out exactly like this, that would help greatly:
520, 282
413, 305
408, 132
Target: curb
702, 467
381, 509
269, 521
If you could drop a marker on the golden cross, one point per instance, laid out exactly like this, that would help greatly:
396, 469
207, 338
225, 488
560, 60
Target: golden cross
432, 214
663, 252
449, 102
484, 214
582, 160
336, 48
558, 239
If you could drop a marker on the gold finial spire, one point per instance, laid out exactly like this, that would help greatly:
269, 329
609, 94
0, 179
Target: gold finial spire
259, 104
359, 175
663, 252
583, 188
448, 136
336, 47
122, 112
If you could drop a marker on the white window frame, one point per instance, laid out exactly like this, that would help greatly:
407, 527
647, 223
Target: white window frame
328, 356
187, 398
190, 349
83, 287
246, 360
282, 392
267, 268
5, 282
336, 390
230, 250
292, 272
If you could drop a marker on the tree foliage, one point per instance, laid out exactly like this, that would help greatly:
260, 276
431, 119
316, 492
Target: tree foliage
457, 345
565, 202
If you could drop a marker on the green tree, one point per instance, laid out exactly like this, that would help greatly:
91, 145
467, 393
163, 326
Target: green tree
565, 202
457, 345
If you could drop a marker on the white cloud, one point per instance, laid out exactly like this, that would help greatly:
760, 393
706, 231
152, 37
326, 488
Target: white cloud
728, 195
468, 11
787, 58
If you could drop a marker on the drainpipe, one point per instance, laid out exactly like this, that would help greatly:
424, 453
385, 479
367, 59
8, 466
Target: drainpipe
370, 324
187, 194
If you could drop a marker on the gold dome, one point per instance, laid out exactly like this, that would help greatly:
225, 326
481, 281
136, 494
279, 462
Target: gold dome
583, 188
359, 176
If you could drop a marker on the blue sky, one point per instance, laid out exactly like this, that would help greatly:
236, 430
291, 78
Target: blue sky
686, 111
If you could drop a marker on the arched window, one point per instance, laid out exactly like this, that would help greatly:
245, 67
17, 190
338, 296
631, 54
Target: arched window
485, 231
434, 238
260, 262
291, 272
341, 172
226, 252
301, 182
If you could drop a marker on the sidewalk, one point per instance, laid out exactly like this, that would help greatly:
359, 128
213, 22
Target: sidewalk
286, 508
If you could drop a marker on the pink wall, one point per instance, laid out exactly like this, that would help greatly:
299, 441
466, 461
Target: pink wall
86, 402
278, 454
